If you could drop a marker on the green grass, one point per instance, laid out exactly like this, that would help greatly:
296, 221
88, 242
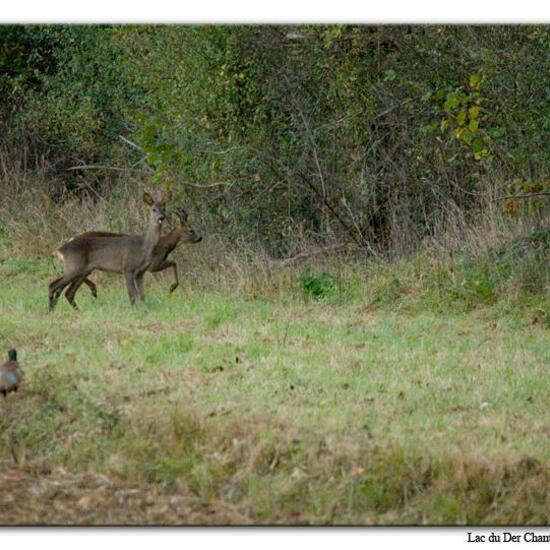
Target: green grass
358, 403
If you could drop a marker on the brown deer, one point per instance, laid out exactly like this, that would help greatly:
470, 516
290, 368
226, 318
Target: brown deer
128, 254
181, 232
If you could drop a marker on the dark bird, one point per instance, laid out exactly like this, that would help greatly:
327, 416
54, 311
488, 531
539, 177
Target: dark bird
10, 374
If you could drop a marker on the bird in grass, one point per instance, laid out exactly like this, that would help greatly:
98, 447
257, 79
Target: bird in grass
10, 374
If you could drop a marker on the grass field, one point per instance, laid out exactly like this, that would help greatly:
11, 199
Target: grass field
235, 406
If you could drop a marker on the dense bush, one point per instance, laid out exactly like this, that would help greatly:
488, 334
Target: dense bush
367, 133
318, 286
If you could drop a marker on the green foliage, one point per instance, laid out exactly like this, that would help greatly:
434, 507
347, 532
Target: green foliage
464, 109
526, 261
333, 128
514, 273
318, 286
388, 291
474, 285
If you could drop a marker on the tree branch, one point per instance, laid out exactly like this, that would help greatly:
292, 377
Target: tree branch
130, 143
101, 167
525, 196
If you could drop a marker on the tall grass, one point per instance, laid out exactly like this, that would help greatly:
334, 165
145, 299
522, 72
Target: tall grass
467, 258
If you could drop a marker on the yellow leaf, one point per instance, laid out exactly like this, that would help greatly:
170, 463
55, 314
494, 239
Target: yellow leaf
473, 112
457, 133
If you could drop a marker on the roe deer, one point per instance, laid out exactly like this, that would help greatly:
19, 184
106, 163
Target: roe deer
128, 254
182, 232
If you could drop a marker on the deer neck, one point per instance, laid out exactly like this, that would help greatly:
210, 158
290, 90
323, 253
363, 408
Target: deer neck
151, 238
172, 238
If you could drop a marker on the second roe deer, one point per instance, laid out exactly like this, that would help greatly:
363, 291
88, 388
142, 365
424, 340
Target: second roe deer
127, 254
182, 232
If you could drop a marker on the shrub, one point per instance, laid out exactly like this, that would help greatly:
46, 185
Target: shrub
318, 286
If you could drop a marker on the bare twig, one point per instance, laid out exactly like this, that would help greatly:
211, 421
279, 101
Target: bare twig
304, 255
92, 190
225, 151
525, 196
392, 108
313, 148
209, 185
357, 228
359, 241
130, 143
289, 174
100, 167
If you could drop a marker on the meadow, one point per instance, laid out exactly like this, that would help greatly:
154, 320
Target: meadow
335, 393
362, 335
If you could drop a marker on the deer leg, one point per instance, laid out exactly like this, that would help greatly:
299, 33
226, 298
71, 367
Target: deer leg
131, 286
165, 265
56, 287
139, 286
52, 293
71, 291
91, 286
176, 283
73, 288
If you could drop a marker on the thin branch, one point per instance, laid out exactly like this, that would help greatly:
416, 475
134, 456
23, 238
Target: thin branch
391, 108
313, 147
209, 185
130, 143
323, 195
225, 151
312, 142
357, 228
334, 124
91, 189
101, 167
304, 255
360, 242
526, 196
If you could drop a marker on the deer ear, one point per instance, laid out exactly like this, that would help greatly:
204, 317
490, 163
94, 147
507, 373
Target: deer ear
147, 199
